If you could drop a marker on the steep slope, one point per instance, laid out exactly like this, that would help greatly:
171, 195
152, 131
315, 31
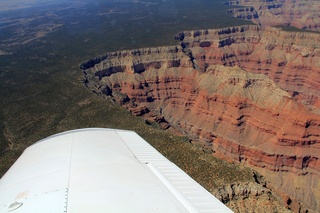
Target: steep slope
250, 95
302, 14
291, 60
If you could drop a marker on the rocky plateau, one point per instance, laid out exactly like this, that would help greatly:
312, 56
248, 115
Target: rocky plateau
250, 94
303, 14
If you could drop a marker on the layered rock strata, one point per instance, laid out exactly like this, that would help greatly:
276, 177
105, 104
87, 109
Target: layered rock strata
302, 14
250, 95
249, 197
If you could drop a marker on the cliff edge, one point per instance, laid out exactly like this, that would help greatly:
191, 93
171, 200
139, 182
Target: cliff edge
249, 94
303, 14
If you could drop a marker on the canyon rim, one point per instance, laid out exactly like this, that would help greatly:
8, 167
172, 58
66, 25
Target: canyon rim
250, 94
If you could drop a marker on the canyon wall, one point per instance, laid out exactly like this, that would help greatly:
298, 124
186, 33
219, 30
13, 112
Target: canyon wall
303, 14
251, 95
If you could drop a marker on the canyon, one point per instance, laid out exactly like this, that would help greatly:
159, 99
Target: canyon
249, 94
303, 14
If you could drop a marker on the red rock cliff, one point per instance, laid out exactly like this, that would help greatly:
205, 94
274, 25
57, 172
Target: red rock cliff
251, 95
302, 14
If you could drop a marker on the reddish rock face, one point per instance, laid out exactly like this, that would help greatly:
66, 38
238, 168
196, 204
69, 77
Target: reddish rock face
302, 14
251, 95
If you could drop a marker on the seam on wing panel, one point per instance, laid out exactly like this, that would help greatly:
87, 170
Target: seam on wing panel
173, 178
186, 203
141, 149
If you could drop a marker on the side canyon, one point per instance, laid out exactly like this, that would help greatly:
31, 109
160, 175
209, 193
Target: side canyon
249, 94
303, 14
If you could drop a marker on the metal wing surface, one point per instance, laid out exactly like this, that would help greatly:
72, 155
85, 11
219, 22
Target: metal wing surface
100, 170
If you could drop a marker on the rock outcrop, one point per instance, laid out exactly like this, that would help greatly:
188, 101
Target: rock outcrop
303, 14
250, 95
249, 197
239, 191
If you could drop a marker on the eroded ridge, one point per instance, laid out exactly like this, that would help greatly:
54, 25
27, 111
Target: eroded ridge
249, 94
303, 14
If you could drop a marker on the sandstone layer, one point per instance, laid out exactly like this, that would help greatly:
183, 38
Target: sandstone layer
250, 95
302, 14
248, 197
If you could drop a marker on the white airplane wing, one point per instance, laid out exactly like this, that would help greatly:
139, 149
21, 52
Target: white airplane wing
100, 170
